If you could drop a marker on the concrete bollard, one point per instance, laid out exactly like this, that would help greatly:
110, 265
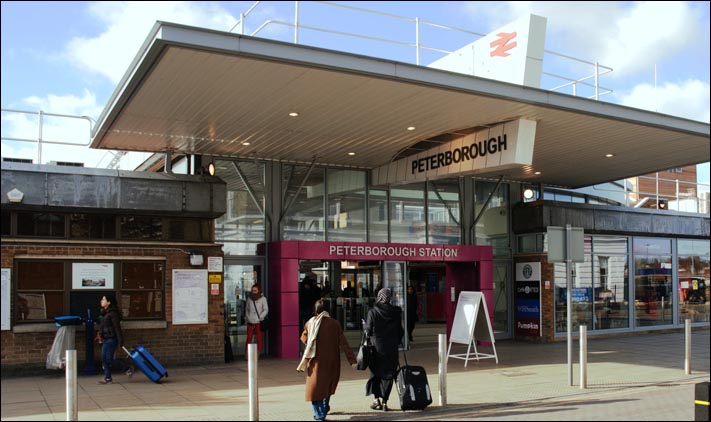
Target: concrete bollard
687, 347
253, 356
583, 356
442, 369
70, 371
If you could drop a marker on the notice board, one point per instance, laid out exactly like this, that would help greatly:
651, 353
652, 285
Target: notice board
189, 297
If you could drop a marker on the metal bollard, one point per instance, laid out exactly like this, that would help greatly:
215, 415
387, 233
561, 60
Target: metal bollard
687, 349
70, 371
583, 356
253, 356
443, 369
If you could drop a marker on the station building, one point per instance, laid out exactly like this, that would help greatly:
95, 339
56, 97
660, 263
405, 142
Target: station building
355, 173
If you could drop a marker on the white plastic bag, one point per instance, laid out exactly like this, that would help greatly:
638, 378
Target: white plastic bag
62, 341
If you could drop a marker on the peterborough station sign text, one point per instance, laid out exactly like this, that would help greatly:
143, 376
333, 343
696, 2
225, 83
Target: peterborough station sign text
392, 251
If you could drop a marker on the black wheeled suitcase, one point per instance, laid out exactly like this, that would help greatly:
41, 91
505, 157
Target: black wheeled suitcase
149, 365
413, 388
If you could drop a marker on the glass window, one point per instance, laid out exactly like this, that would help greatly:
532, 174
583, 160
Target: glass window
304, 202
493, 226
40, 224
651, 246
141, 228
531, 243
443, 209
40, 289
142, 289
611, 292
5, 223
378, 216
240, 248
600, 296
653, 281
244, 219
92, 226
407, 214
185, 229
44, 291
346, 205
581, 299
693, 267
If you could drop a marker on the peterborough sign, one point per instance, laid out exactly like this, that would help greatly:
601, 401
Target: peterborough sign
501, 147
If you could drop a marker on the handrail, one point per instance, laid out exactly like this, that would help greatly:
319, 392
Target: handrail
419, 46
39, 140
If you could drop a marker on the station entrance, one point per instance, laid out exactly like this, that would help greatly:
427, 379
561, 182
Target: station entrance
347, 276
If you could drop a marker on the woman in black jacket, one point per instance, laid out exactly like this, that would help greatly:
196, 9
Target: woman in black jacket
111, 337
384, 326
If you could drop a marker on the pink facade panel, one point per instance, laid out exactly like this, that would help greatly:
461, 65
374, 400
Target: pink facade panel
289, 307
288, 342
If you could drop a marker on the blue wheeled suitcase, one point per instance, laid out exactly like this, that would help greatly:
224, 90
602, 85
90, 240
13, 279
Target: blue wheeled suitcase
147, 363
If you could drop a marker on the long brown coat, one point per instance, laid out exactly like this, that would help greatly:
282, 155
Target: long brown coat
324, 370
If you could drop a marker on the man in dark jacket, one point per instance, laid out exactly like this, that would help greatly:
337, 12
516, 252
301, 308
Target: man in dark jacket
384, 326
111, 337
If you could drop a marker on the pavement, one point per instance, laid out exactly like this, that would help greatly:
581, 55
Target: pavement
631, 377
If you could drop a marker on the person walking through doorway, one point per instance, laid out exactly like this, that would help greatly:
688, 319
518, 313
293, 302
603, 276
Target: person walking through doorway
323, 337
384, 326
256, 309
411, 311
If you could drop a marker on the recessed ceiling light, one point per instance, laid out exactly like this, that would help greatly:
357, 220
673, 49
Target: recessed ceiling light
609, 155
293, 114
351, 153
536, 172
246, 143
411, 128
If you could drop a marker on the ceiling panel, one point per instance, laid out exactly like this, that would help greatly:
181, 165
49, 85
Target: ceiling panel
200, 101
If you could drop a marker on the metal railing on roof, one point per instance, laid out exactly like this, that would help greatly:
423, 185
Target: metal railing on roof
41, 138
591, 81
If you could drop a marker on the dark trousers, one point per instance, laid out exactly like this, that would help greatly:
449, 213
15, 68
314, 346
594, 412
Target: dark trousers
380, 387
108, 349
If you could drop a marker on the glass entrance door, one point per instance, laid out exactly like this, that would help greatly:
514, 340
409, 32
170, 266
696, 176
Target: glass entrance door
394, 278
239, 279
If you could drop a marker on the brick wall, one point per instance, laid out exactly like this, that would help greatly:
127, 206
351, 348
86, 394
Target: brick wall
173, 345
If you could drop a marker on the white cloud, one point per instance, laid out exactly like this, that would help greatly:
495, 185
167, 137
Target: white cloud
127, 26
689, 99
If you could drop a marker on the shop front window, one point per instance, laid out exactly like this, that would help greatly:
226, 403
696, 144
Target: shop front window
693, 268
610, 282
653, 282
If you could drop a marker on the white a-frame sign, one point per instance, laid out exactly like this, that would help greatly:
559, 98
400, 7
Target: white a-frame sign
471, 324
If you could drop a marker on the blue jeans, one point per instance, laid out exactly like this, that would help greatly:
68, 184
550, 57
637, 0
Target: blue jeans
320, 407
108, 349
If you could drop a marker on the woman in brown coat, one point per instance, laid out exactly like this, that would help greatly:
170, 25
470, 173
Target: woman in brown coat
323, 337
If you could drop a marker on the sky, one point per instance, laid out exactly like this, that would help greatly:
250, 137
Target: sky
67, 58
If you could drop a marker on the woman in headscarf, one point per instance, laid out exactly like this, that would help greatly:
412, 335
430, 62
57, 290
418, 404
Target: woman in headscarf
384, 327
323, 337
